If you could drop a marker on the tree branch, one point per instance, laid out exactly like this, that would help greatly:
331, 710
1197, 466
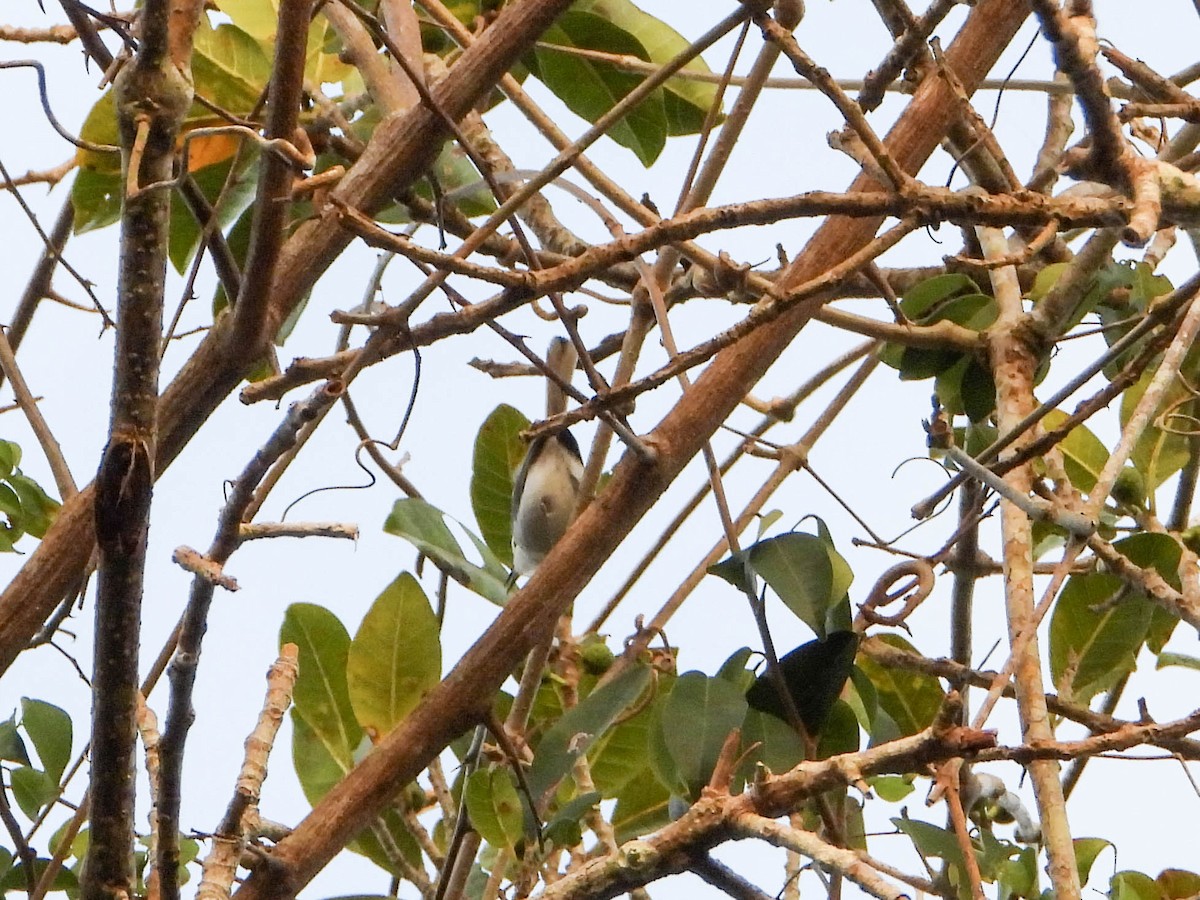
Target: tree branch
152, 95
462, 698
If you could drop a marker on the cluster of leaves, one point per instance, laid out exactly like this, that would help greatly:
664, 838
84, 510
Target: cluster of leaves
351, 692
1099, 625
650, 736
35, 782
963, 381
231, 67
1015, 871
655, 735
1119, 296
27, 508
34, 786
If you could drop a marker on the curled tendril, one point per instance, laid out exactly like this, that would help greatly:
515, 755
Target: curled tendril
299, 158
50, 117
912, 592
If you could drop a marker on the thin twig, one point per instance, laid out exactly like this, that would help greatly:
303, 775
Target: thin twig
37, 422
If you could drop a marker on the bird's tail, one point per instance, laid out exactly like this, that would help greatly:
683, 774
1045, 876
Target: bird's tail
561, 358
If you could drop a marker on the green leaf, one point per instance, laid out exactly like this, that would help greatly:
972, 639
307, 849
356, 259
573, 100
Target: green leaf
498, 453
495, 807
580, 726
694, 720
964, 383
293, 318
1084, 455
1019, 877
734, 669
947, 386
37, 508
565, 828
1045, 280
424, 526
316, 767
840, 732
32, 789
238, 242
10, 504
460, 182
641, 807
321, 698
921, 300
919, 363
323, 64
883, 728
8, 536
1101, 284
259, 18
658, 754
921, 304
185, 230
78, 846
1177, 659
891, 788
814, 673
1146, 286
1093, 640
618, 756
12, 748
1155, 552
395, 658
10, 456
1086, 852
804, 570
977, 390
973, 311
50, 730
809, 576
779, 747
1134, 886
851, 815
318, 770
1160, 553
619, 27
229, 67
911, 699
686, 102
1158, 454
863, 699
590, 89
766, 520
737, 571
931, 840
100, 127
16, 879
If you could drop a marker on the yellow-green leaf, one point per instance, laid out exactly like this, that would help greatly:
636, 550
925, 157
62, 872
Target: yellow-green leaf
395, 657
498, 453
321, 698
495, 807
910, 698
1095, 634
1084, 455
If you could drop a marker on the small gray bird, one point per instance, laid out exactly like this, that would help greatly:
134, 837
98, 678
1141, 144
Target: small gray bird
546, 488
